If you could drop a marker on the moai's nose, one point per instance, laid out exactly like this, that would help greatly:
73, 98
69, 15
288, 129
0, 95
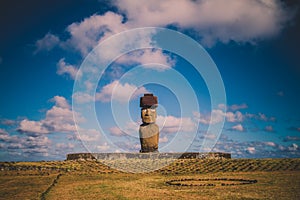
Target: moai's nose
147, 111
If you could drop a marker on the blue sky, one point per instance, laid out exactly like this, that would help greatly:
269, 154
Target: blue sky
253, 45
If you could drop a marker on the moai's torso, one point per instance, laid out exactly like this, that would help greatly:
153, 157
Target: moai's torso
149, 136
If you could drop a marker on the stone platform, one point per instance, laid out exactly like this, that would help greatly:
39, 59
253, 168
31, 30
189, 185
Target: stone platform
125, 156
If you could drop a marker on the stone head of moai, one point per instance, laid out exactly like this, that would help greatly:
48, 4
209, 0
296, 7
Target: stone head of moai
148, 104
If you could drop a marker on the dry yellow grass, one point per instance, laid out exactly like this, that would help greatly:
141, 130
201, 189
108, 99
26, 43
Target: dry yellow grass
270, 185
276, 179
24, 185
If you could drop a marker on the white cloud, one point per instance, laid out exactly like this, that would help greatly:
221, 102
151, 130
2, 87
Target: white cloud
251, 150
234, 117
214, 20
87, 34
217, 116
92, 30
114, 71
116, 131
171, 124
48, 42
65, 68
88, 85
32, 146
27, 145
210, 136
281, 148
95, 29
3, 132
260, 116
7, 122
269, 129
58, 119
32, 127
5, 137
293, 147
271, 144
222, 106
64, 145
103, 147
130, 128
87, 135
291, 138
81, 97
60, 102
147, 56
34, 142
64, 148
233, 107
256, 149
237, 127
163, 139
119, 92
263, 117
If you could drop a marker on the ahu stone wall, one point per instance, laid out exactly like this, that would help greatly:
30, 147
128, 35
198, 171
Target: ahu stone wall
116, 156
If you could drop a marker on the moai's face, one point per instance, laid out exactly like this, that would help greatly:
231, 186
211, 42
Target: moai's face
148, 115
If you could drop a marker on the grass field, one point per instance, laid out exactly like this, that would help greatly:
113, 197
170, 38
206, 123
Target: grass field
183, 179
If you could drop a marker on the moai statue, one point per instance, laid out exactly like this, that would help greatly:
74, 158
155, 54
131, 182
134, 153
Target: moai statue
149, 131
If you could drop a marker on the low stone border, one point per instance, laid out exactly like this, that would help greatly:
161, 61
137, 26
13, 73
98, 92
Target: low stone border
125, 156
43, 195
181, 182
